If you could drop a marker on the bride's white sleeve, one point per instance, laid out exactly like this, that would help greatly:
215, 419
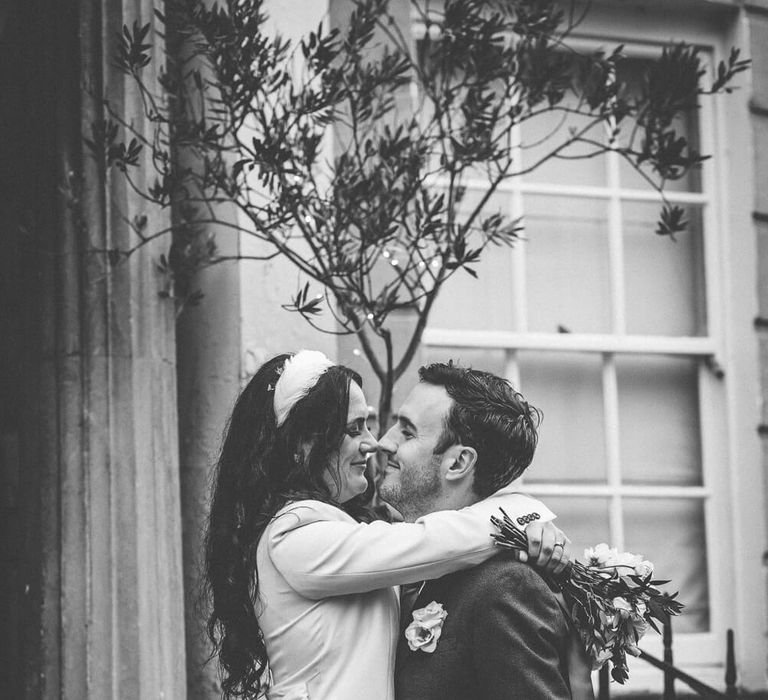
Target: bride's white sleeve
322, 552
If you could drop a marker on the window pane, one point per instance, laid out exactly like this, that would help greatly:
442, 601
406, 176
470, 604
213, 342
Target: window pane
631, 71
659, 420
485, 302
546, 132
567, 388
584, 520
671, 534
567, 268
664, 278
489, 360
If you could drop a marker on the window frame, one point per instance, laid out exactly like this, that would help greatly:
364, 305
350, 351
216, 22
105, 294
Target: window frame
703, 652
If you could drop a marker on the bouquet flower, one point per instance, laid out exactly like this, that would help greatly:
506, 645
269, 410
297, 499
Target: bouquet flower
424, 632
612, 598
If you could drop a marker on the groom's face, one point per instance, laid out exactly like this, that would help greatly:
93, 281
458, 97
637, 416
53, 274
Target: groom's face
413, 478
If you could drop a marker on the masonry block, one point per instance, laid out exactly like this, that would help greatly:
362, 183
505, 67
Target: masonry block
758, 52
761, 233
763, 355
760, 142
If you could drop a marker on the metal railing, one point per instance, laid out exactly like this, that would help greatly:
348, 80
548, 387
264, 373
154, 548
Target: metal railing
672, 673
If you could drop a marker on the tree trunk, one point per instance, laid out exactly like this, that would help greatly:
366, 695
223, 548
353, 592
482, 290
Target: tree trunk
385, 402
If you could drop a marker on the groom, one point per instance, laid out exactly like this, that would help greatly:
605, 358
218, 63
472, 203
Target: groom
461, 435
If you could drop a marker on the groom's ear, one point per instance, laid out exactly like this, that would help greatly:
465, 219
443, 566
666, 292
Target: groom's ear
460, 462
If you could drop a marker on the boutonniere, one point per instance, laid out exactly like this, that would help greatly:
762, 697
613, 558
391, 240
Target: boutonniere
426, 628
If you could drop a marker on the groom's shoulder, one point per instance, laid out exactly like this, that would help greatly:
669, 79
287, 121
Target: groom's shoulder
506, 580
501, 573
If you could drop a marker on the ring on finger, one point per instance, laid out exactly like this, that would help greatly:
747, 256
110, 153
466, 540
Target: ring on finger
559, 544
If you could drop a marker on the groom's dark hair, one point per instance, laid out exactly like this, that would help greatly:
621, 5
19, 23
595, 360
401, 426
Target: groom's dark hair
488, 415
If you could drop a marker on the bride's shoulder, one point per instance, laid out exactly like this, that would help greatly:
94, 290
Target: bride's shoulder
298, 513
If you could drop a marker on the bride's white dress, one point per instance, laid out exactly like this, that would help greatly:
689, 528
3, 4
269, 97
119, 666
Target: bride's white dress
328, 603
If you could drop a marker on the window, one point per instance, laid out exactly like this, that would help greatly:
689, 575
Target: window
612, 331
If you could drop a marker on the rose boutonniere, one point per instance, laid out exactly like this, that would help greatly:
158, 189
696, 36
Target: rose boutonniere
426, 628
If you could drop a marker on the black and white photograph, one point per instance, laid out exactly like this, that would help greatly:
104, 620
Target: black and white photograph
384, 349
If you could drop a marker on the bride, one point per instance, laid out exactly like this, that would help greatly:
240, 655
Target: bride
301, 576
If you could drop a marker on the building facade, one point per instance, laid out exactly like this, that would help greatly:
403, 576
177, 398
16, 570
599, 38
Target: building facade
644, 354
649, 359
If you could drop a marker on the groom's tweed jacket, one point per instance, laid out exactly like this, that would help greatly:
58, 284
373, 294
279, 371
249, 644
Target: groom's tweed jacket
505, 637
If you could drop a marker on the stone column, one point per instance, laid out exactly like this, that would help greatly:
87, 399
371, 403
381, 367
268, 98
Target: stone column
109, 587
208, 384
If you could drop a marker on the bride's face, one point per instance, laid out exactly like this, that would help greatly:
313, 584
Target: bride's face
358, 444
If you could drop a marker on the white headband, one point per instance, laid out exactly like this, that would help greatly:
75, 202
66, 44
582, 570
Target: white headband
300, 373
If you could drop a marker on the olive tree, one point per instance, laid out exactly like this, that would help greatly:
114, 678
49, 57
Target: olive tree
348, 152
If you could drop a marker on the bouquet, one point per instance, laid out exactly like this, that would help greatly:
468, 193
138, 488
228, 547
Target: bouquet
612, 598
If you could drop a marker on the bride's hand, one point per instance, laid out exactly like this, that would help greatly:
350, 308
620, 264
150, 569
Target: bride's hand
548, 547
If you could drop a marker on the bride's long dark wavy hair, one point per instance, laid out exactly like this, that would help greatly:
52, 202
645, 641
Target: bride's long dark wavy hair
261, 467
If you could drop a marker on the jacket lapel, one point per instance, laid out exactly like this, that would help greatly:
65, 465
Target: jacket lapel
409, 594
579, 668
